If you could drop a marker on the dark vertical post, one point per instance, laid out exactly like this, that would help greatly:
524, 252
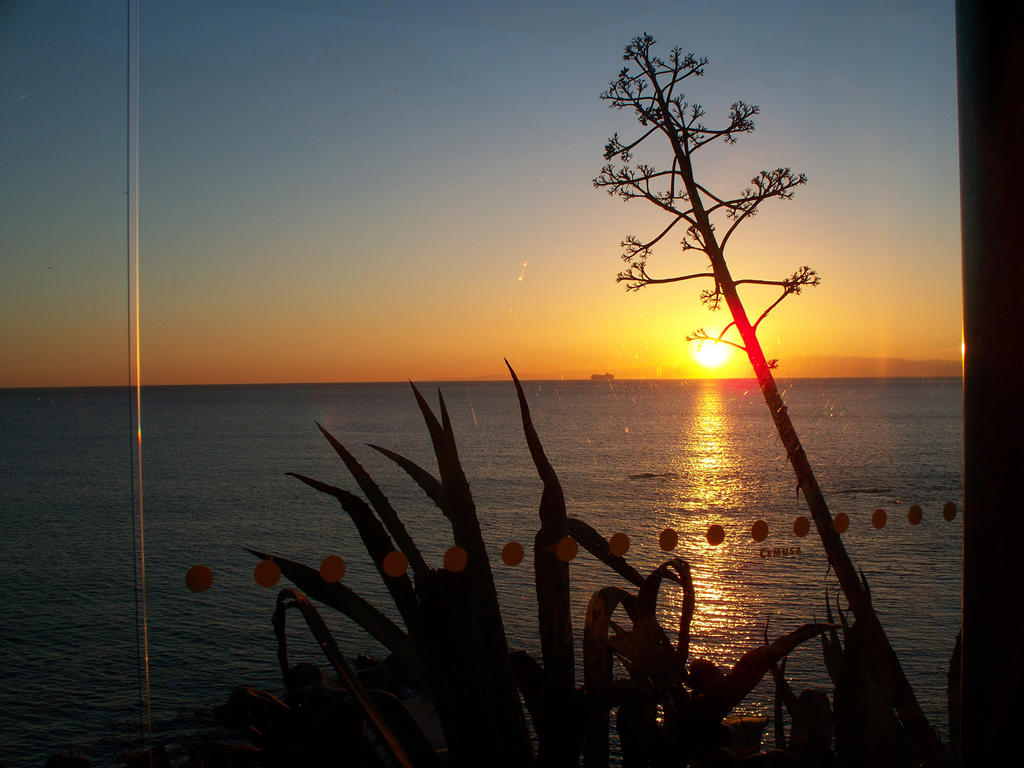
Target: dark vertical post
990, 88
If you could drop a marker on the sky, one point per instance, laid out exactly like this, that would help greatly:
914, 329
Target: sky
380, 191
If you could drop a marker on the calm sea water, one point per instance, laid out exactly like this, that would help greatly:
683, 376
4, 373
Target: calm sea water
633, 456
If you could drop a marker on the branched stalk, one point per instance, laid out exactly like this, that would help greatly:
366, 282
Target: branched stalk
655, 105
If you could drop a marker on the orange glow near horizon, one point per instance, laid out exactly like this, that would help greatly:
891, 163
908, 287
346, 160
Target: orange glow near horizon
322, 244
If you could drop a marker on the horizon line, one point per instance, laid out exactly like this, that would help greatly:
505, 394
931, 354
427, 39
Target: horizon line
472, 380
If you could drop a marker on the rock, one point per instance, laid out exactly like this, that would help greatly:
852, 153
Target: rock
67, 761
154, 757
259, 716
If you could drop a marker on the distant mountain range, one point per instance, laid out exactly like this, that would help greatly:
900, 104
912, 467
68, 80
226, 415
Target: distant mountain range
797, 366
833, 366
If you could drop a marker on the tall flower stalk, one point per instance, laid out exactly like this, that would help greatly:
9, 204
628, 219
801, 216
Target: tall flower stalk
651, 87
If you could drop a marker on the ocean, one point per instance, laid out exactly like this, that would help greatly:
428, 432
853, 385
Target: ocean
634, 457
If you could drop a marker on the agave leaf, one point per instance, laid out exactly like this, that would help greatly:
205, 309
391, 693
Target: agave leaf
867, 731
864, 584
417, 746
728, 691
458, 503
380, 503
529, 677
378, 544
843, 622
437, 435
782, 691
341, 598
831, 648
540, 460
452, 494
446, 422
437, 593
430, 484
677, 570
597, 659
783, 696
557, 714
597, 545
828, 613
639, 734
896, 688
597, 668
479, 704
656, 661
453, 479
387, 744
631, 646
473, 595
551, 575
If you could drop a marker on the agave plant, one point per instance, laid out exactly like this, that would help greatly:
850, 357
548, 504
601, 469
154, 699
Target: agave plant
860, 723
669, 707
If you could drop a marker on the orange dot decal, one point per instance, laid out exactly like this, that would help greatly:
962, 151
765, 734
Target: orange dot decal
716, 535
566, 549
332, 568
512, 554
949, 510
759, 532
801, 526
841, 522
618, 544
199, 578
914, 515
267, 573
878, 518
668, 539
395, 563
455, 559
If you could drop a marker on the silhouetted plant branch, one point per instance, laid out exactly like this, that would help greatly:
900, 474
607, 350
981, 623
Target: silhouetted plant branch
700, 335
651, 94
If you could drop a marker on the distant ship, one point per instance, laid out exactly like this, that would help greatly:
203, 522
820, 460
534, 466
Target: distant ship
601, 377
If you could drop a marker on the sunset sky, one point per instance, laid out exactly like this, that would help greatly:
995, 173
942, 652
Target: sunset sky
373, 191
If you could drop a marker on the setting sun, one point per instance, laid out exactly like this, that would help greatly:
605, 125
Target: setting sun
711, 354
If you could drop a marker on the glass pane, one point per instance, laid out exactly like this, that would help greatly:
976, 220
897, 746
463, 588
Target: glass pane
337, 198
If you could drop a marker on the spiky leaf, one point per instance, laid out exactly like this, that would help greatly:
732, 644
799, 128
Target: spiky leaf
597, 545
380, 503
341, 598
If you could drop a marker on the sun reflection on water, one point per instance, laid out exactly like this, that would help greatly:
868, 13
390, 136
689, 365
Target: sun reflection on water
708, 465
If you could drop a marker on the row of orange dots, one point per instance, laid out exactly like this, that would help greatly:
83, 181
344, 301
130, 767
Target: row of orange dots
267, 573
